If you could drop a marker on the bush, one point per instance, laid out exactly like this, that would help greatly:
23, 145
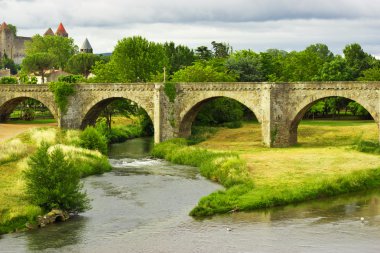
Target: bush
234, 124
91, 138
71, 78
53, 182
28, 114
8, 80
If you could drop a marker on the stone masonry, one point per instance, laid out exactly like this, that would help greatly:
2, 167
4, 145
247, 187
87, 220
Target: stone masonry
279, 107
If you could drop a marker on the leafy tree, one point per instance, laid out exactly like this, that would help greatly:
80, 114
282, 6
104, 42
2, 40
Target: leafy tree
39, 63
52, 181
203, 53
248, 65
335, 70
202, 71
179, 56
105, 73
221, 49
81, 63
272, 64
357, 59
372, 74
62, 48
8, 80
136, 59
122, 107
8, 63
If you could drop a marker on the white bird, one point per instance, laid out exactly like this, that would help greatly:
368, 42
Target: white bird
362, 219
229, 229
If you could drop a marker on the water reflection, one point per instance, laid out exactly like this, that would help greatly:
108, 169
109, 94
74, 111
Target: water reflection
57, 235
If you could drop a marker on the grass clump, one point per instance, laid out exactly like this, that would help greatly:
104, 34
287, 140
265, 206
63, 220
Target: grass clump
12, 150
372, 147
92, 139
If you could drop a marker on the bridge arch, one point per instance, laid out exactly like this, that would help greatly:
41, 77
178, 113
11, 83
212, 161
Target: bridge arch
300, 110
93, 109
10, 104
190, 112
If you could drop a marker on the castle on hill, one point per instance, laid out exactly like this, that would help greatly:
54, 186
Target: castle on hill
13, 46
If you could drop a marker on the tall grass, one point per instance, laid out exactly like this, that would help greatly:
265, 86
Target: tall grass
12, 150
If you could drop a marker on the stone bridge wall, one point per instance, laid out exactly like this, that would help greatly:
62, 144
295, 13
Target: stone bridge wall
278, 106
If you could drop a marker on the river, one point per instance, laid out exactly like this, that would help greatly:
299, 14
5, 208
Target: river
143, 206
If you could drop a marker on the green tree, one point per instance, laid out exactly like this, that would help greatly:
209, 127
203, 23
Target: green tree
202, 71
62, 48
372, 74
203, 53
81, 63
39, 63
8, 63
273, 64
105, 73
357, 60
179, 56
335, 70
248, 65
221, 49
136, 59
52, 181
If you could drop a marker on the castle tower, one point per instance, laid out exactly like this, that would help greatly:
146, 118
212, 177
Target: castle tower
86, 47
6, 41
61, 31
49, 32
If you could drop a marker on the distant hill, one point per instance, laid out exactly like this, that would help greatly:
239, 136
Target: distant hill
105, 54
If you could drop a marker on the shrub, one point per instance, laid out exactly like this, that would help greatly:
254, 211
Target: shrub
71, 78
61, 91
28, 114
91, 138
53, 182
8, 80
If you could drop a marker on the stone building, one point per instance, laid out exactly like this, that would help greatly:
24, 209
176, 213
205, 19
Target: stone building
14, 46
11, 44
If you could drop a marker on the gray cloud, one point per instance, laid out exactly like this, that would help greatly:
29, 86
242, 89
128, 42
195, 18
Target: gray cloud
256, 24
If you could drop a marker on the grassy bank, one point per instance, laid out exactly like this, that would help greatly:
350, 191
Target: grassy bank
325, 163
15, 209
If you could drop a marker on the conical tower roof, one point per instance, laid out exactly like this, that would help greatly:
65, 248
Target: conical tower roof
61, 31
86, 47
49, 32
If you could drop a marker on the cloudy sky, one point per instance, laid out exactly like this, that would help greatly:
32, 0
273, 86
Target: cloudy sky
254, 24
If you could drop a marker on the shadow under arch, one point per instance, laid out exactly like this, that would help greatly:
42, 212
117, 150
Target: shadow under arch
95, 109
191, 112
10, 105
306, 105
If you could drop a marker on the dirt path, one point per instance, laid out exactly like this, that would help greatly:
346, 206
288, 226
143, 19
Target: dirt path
8, 131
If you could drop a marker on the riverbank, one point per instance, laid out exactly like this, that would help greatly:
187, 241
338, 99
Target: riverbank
9, 130
324, 163
16, 212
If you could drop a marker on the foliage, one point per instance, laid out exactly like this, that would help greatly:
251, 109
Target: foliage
61, 91
12, 28
368, 146
248, 65
8, 80
202, 71
179, 56
357, 60
82, 63
60, 47
53, 182
170, 91
8, 63
134, 59
39, 63
372, 74
28, 114
71, 79
25, 79
92, 139
221, 49
105, 73
219, 111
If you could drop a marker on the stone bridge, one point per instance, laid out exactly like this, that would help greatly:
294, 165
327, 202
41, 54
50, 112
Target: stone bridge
279, 107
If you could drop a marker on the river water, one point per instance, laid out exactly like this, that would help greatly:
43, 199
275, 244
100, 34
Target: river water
142, 206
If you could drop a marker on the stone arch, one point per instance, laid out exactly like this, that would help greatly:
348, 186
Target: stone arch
189, 113
7, 107
297, 115
93, 110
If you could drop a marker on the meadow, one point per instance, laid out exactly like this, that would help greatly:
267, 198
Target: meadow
326, 162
